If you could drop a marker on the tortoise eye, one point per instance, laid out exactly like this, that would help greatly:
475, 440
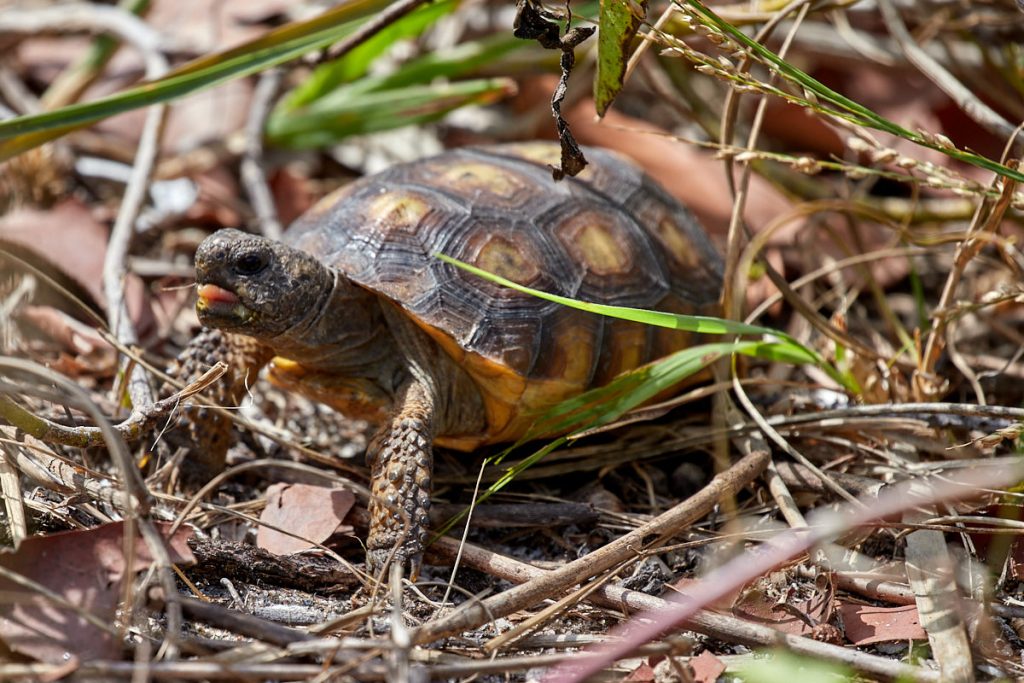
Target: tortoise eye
250, 264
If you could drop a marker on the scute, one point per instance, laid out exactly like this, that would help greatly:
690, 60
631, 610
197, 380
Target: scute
610, 235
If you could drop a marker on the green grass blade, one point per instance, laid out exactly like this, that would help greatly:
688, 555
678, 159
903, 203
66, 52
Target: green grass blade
690, 323
377, 111
600, 406
451, 63
605, 404
795, 352
327, 77
843, 106
276, 47
630, 390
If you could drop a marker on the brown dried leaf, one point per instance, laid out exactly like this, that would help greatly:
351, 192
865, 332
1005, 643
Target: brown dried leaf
684, 585
866, 624
799, 617
86, 568
706, 667
312, 513
89, 352
68, 244
642, 674
293, 194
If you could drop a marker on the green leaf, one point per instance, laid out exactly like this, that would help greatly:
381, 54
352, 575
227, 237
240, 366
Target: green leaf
602, 405
276, 47
690, 323
632, 389
451, 63
299, 127
376, 111
794, 351
620, 20
327, 77
605, 404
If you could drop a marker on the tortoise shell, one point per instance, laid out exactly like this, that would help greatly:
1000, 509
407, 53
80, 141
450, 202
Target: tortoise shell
611, 235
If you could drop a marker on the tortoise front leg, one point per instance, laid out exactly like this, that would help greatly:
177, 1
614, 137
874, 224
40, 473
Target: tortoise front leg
401, 462
208, 434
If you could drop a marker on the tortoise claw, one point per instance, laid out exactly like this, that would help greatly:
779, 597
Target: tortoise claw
378, 562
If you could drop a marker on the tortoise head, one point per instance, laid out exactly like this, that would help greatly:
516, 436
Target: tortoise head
257, 287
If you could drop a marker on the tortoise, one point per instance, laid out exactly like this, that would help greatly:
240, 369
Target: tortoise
354, 309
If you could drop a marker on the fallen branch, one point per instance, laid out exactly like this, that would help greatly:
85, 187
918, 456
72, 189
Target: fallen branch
624, 549
134, 427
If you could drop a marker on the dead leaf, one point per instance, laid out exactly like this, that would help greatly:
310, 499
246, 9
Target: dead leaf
866, 624
86, 568
642, 674
293, 194
218, 204
312, 513
706, 667
89, 352
765, 605
68, 244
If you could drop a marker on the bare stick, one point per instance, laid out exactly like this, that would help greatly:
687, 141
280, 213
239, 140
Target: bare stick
623, 549
131, 429
253, 176
723, 627
971, 105
931, 574
784, 547
138, 498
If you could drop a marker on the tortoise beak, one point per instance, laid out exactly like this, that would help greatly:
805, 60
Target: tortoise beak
218, 305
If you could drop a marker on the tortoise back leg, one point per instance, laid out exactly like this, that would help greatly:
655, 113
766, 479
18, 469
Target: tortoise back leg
207, 433
401, 465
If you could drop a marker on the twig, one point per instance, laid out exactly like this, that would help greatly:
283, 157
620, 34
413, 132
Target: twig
401, 642
10, 485
73, 81
16, 93
623, 549
139, 499
237, 622
257, 566
132, 428
132, 30
34, 459
737, 228
773, 435
115, 270
81, 16
253, 177
966, 251
783, 498
971, 105
930, 571
799, 478
720, 626
783, 548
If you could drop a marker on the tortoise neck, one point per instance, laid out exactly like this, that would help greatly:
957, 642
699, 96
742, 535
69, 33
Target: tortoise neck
344, 334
